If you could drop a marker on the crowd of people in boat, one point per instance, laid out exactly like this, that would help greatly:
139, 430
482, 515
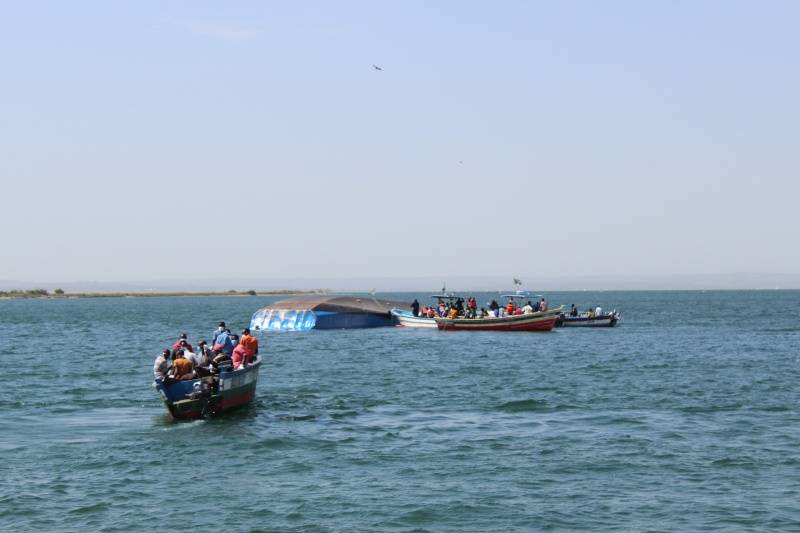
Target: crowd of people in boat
226, 350
458, 308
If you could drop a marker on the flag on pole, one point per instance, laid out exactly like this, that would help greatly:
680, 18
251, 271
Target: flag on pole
517, 281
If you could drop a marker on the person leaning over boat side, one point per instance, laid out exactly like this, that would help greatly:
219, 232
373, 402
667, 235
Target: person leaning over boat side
162, 365
182, 367
415, 307
182, 340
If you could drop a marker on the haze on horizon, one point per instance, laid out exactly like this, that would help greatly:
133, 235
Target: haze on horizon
151, 140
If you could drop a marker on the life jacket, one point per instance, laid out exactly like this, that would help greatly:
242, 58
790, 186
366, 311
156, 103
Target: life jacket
250, 345
510, 308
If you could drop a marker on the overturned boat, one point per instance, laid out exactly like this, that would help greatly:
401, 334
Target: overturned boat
210, 395
303, 313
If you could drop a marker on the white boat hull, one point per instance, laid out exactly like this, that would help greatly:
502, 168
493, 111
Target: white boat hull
405, 318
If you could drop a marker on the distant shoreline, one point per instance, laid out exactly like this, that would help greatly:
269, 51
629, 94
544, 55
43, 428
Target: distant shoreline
46, 295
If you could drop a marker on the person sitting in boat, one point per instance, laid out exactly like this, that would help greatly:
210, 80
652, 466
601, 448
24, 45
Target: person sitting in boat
590, 313
460, 306
527, 308
494, 308
184, 340
431, 312
483, 313
202, 359
162, 365
415, 307
453, 313
536, 306
573, 311
472, 307
543, 305
250, 344
442, 309
181, 367
234, 339
510, 307
518, 311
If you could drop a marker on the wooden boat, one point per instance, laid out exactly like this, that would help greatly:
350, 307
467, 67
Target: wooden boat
608, 320
211, 395
407, 318
540, 321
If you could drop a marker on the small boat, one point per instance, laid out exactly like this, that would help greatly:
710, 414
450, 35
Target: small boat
539, 321
407, 318
210, 395
607, 320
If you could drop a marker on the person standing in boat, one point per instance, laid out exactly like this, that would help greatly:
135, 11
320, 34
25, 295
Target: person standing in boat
415, 307
543, 305
217, 332
223, 342
573, 311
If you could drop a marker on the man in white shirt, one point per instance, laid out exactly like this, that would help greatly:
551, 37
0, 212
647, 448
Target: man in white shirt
161, 366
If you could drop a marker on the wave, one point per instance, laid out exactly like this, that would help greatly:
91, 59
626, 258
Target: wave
521, 406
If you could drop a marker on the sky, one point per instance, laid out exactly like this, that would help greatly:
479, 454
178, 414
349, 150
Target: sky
255, 140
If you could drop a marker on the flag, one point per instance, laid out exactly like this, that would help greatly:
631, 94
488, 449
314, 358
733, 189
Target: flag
517, 282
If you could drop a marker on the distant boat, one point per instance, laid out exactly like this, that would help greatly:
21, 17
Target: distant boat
539, 321
407, 318
607, 320
211, 395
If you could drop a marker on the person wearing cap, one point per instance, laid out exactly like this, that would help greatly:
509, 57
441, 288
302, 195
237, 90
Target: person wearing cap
161, 366
180, 340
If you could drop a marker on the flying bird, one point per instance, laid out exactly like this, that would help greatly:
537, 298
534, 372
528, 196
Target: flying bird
376, 67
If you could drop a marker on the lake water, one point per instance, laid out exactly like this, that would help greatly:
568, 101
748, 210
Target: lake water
683, 418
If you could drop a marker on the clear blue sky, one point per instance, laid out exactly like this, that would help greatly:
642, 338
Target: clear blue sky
525, 138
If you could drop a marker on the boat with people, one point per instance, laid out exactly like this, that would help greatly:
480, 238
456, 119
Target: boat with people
409, 320
210, 395
533, 321
215, 378
592, 318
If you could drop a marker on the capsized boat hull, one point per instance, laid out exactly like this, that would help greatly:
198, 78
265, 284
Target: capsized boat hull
529, 322
198, 398
407, 319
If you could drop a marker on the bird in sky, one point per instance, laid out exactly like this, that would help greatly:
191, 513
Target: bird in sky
376, 67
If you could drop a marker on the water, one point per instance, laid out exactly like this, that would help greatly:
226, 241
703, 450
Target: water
684, 418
